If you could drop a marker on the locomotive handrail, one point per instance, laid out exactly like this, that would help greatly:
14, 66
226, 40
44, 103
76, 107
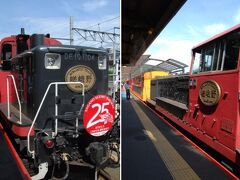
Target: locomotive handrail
32, 152
8, 103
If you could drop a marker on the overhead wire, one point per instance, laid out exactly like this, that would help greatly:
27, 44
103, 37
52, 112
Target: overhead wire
90, 35
108, 20
98, 25
82, 40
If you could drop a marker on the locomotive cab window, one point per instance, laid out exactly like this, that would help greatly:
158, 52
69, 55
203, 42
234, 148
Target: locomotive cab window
6, 51
221, 55
6, 56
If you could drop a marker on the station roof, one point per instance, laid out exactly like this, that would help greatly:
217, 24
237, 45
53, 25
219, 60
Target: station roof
170, 65
142, 21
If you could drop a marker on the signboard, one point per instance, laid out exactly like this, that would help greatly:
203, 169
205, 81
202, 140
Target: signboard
82, 74
209, 93
99, 115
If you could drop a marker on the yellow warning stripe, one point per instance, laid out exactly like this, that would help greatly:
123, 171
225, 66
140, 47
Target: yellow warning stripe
177, 166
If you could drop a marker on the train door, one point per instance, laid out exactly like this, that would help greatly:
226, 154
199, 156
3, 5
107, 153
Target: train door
22, 70
214, 84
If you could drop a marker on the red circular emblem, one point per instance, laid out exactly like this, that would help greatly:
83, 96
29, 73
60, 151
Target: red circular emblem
99, 115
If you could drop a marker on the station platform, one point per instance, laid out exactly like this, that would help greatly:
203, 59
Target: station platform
151, 149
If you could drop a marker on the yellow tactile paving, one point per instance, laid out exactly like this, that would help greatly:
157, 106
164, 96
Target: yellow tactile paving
177, 166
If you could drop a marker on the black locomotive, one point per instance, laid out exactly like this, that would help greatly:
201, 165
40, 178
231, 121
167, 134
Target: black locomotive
54, 83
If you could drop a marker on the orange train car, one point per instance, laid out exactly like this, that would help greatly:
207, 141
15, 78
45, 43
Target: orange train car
140, 85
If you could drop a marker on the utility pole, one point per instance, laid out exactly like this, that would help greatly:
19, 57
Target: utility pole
115, 64
71, 30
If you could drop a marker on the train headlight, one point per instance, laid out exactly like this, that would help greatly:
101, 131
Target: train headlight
52, 61
102, 62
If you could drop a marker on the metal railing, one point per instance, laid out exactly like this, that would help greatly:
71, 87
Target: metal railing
8, 101
32, 152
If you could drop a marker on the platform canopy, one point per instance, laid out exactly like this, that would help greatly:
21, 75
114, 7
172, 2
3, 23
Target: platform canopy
142, 21
145, 64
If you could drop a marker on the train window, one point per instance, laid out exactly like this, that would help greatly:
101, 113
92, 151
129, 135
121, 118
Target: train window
208, 58
221, 55
196, 64
231, 56
6, 51
205, 59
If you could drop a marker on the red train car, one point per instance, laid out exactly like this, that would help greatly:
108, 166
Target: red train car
206, 102
9, 48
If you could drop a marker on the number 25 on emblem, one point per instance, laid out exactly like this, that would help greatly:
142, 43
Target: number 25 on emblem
99, 115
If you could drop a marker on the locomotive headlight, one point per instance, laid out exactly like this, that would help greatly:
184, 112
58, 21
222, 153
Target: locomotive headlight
102, 62
52, 61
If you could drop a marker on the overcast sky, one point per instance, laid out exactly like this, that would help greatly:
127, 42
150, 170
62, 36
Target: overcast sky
195, 22
52, 16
